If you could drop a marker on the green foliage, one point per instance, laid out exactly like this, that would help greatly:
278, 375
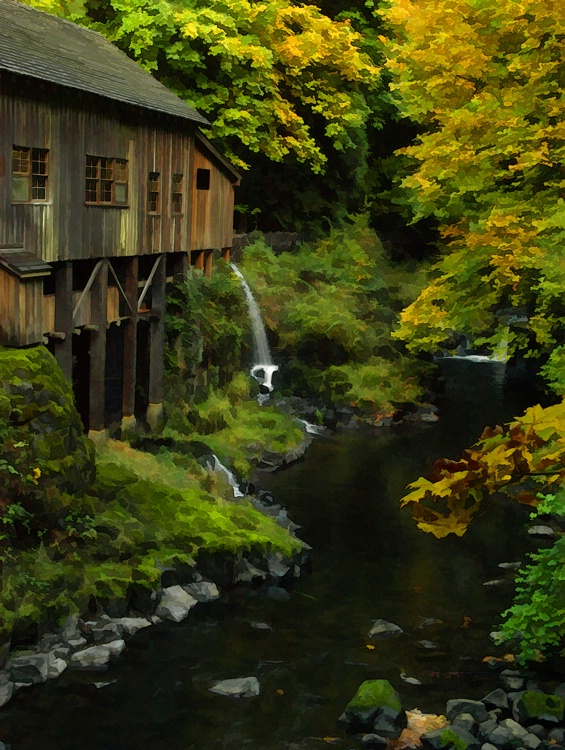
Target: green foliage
44, 456
331, 306
525, 462
483, 80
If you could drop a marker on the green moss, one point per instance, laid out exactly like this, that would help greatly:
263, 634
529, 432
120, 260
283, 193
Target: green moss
372, 694
538, 705
449, 738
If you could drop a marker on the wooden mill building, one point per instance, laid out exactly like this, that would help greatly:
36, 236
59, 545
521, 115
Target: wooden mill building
107, 189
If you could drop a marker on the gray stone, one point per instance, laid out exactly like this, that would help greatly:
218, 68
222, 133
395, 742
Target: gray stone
532, 707
175, 604
465, 721
384, 629
511, 734
488, 746
538, 730
76, 643
103, 630
71, 628
389, 722
560, 690
510, 565
497, 698
260, 626
239, 687
449, 736
495, 582
35, 668
277, 568
458, 706
374, 741
429, 622
486, 728
430, 645
544, 531
512, 679
203, 591
278, 594
245, 572
557, 734
96, 657
6, 692
131, 625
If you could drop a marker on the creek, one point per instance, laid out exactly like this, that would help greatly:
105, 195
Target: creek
369, 562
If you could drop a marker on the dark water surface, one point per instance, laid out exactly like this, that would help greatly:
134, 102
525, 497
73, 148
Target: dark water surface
369, 562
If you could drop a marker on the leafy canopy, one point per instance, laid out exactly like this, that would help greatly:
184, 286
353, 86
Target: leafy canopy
268, 73
483, 79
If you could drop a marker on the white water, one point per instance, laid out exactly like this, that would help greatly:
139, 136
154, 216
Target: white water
230, 477
499, 353
312, 429
263, 369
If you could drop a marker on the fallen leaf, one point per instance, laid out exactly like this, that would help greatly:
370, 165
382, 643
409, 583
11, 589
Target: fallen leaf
466, 621
370, 647
280, 691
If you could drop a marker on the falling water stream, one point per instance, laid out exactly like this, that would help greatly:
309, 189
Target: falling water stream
263, 367
369, 561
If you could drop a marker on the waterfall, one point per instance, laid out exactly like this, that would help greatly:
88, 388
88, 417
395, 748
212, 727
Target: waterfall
230, 477
263, 368
499, 352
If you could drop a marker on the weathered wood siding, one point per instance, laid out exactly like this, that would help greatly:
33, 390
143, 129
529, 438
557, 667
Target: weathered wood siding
21, 311
72, 126
212, 209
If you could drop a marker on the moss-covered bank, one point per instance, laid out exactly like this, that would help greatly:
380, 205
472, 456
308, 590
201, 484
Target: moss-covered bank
76, 528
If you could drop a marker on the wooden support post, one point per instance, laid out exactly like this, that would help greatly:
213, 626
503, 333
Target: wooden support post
208, 262
199, 262
226, 254
181, 264
130, 347
98, 315
64, 317
157, 346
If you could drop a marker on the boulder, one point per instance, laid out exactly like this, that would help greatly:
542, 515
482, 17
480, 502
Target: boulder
376, 703
533, 707
465, 721
30, 669
277, 594
384, 629
429, 645
510, 734
96, 657
512, 679
374, 741
458, 706
6, 692
557, 735
175, 604
203, 591
103, 630
245, 572
131, 625
538, 730
544, 531
238, 687
497, 699
449, 737
276, 566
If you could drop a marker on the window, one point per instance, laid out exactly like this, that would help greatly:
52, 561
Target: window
30, 169
106, 181
203, 179
177, 194
153, 193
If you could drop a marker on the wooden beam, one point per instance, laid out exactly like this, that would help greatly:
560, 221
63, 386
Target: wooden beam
98, 306
130, 346
157, 346
160, 260
64, 317
208, 262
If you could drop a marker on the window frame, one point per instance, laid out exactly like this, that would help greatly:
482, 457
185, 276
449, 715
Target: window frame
154, 193
203, 178
35, 177
102, 175
177, 194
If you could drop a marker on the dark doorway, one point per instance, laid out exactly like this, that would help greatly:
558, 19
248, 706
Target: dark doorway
81, 374
114, 374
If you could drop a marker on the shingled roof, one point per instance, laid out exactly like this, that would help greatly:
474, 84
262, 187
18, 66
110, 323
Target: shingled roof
42, 46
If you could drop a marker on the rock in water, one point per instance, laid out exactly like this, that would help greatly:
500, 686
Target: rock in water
532, 706
375, 707
175, 604
239, 687
384, 629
